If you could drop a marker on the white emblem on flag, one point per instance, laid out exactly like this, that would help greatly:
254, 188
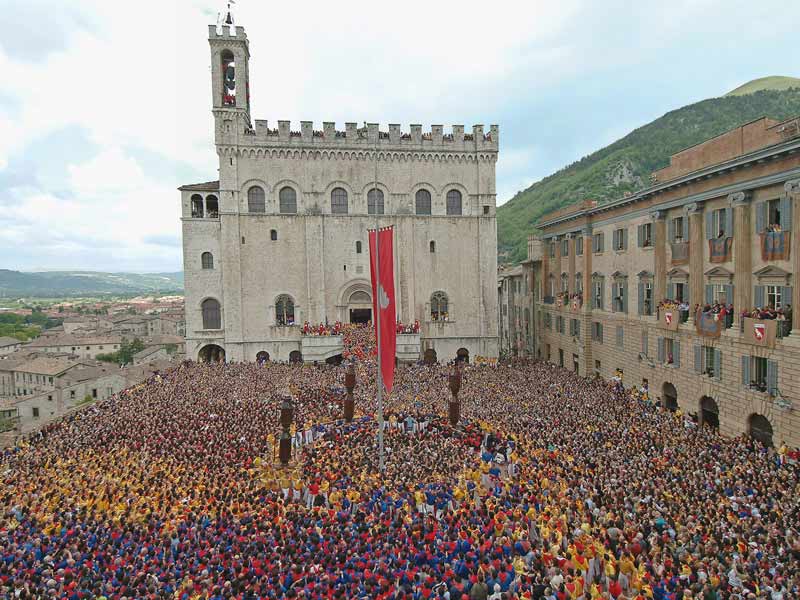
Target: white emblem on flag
383, 297
668, 318
760, 330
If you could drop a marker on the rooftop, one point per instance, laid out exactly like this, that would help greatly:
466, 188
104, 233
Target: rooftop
8, 341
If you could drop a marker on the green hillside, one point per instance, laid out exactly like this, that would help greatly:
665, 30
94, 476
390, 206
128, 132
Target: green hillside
766, 83
626, 164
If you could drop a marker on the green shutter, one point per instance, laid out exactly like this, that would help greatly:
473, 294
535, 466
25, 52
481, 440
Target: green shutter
624, 290
746, 371
709, 293
772, 377
729, 294
717, 365
728, 222
670, 291
625, 239
676, 353
761, 217
786, 213
641, 298
670, 231
709, 216
698, 359
687, 297
660, 354
786, 296
760, 296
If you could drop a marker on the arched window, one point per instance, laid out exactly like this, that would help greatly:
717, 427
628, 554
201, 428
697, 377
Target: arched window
212, 207
207, 260
453, 202
339, 201
256, 200
358, 247
375, 202
284, 310
228, 78
273, 235
212, 318
423, 202
433, 246
287, 198
197, 207
439, 306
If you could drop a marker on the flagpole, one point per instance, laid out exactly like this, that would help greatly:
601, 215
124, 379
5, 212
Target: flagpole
378, 308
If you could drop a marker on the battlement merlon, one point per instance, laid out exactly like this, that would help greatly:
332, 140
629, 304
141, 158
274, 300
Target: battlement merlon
371, 135
226, 32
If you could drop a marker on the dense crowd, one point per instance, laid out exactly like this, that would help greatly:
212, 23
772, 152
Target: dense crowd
552, 486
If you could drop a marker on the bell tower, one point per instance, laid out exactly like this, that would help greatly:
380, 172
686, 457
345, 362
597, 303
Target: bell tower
230, 77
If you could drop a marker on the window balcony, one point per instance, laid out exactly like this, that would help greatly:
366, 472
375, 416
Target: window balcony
549, 299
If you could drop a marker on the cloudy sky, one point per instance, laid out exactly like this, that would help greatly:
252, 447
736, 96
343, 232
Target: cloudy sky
105, 106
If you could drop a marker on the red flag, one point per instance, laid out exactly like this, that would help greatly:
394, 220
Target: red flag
383, 299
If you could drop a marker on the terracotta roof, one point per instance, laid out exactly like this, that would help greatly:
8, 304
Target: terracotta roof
8, 341
75, 340
208, 186
47, 366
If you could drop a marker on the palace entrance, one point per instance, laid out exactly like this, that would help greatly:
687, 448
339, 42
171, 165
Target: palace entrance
359, 307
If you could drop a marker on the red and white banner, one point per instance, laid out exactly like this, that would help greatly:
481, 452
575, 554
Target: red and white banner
760, 331
383, 299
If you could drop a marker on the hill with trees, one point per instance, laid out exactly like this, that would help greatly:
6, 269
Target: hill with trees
626, 165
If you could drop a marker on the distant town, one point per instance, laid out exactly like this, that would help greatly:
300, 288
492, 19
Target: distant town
58, 355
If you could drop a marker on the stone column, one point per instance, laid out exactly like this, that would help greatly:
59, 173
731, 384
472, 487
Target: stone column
696, 254
546, 268
557, 263
792, 190
571, 262
660, 248
742, 255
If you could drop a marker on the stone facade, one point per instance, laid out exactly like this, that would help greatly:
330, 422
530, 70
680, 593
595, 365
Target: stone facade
600, 272
514, 289
288, 222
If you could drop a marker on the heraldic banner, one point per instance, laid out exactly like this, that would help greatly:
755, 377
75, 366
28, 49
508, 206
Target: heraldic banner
775, 245
761, 332
708, 324
669, 318
719, 250
381, 252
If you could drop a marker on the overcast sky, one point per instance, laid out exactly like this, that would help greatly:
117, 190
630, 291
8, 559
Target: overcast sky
105, 106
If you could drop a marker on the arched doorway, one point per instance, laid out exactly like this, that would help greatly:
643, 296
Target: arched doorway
670, 395
430, 356
359, 307
709, 412
295, 356
262, 357
462, 355
760, 429
334, 360
211, 353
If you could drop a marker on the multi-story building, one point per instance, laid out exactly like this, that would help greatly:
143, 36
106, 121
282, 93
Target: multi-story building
514, 311
282, 237
622, 287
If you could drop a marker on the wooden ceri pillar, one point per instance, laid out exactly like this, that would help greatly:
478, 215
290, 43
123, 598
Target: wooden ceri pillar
349, 384
285, 444
696, 255
742, 255
792, 191
454, 408
659, 218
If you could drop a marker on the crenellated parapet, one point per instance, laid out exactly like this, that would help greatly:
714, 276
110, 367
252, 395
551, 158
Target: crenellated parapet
367, 138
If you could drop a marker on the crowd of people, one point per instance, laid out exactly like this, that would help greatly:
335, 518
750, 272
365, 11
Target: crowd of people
552, 487
770, 313
322, 329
